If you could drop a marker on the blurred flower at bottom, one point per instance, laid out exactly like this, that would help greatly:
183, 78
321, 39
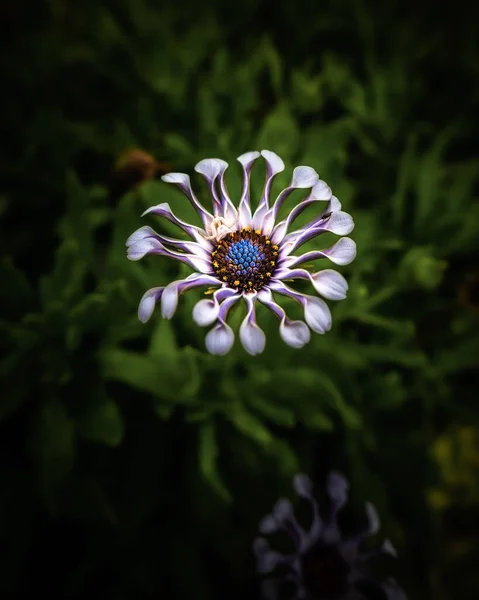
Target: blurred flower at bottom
324, 565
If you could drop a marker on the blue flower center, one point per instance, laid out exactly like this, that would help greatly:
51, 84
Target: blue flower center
245, 259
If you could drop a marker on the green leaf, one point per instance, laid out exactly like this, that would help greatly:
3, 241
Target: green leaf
104, 422
15, 386
16, 292
66, 280
207, 458
273, 410
168, 381
76, 225
53, 445
249, 425
85, 499
279, 131
406, 172
310, 392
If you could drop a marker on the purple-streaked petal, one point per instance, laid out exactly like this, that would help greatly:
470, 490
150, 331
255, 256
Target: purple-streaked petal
244, 209
152, 246
274, 165
220, 339
251, 335
280, 230
164, 210
141, 234
320, 191
334, 204
204, 249
148, 303
183, 182
169, 299
339, 223
143, 247
211, 169
328, 283
293, 333
316, 312
304, 178
342, 252
206, 311
230, 213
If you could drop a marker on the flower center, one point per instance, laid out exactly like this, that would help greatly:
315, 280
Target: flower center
325, 573
245, 259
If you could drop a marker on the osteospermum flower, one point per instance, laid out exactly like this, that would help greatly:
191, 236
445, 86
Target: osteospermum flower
248, 254
324, 565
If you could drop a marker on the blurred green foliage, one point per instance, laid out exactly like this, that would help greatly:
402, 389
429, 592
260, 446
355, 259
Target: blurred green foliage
133, 464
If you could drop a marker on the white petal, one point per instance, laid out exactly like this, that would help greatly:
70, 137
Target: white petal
252, 337
220, 339
330, 284
343, 252
200, 264
211, 167
140, 234
205, 312
169, 301
139, 249
304, 177
294, 333
178, 178
321, 191
268, 223
340, 223
148, 303
334, 204
317, 315
248, 157
275, 163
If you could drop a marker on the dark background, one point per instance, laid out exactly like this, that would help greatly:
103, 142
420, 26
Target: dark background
134, 465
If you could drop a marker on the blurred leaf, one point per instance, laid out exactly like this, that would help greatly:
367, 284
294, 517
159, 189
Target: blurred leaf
272, 410
53, 445
207, 457
461, 356
279, 131
86, 499
16, 292
103, 423
249, 425
163, 379
66, 280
